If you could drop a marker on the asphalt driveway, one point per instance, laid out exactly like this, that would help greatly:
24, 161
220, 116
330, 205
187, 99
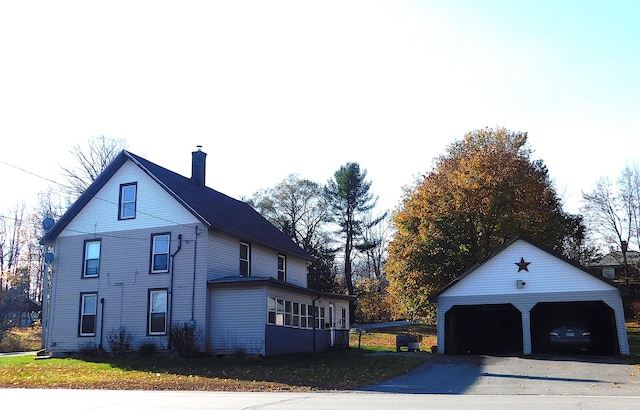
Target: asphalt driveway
578, 376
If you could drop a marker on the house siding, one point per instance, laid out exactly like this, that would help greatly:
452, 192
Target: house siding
189, 298
546, 274
123, 285
264, 262
224, 260
154, 206
223, 256
236, 321
297, 271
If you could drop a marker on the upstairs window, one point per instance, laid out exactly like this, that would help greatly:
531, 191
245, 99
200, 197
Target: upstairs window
282, 268
88, 314
245, 259
160, 253
91, 268
127, 203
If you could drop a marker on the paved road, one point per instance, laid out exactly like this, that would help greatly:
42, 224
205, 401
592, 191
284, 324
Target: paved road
488, 375
160, 400
453, 382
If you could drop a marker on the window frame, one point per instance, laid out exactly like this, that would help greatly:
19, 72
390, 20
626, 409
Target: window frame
245, 263
296, 315
154, 254
122, 204
282, 268
303, 316
271, 310
150, 311
320, 319
88, 242
82, 315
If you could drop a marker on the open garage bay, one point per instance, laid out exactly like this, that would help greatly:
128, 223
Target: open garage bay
594, 316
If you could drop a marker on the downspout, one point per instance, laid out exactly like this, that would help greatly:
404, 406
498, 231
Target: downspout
313, 308
170, 292
101, 322
193, 285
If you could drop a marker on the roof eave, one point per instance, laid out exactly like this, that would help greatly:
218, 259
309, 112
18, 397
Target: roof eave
268, 281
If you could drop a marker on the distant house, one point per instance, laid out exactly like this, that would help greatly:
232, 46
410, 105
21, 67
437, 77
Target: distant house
145, 249
612, 266
21, 312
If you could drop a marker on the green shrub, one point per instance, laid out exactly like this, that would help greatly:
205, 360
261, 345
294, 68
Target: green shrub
119, 340
88, 350
183, 339
147, 349
10, 343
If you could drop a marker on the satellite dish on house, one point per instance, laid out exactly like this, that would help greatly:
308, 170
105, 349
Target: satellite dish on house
48, 223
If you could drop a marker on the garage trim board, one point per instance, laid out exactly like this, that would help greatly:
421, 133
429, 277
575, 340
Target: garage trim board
508, 304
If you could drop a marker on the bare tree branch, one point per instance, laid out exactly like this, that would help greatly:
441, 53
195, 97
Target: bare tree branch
90, 161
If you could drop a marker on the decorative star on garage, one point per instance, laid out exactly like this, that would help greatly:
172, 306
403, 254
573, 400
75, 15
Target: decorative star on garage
522, 265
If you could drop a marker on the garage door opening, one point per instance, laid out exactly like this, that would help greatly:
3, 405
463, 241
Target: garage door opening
484, 329
596, 318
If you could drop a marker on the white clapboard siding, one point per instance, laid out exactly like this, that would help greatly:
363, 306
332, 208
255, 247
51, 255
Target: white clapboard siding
155, 207
224, 260
264, 262
546, 274
237, 319
223, 256
124, 282
297, 271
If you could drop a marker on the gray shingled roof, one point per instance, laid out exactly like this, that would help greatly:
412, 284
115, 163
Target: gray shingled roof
214, 209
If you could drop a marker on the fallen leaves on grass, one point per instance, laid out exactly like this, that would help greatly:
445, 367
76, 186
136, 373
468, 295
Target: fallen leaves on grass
341, 370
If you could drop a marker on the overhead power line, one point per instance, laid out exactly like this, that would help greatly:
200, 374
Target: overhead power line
33, 174
95, 196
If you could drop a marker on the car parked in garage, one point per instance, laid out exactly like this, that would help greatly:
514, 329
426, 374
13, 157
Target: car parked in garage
570, 337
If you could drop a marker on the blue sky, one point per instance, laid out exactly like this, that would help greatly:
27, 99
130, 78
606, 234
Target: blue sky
277, 87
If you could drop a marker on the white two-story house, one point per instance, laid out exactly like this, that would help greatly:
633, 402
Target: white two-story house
145, 249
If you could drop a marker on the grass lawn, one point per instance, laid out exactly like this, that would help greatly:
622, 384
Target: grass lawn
633, 334
339, 369
19, 339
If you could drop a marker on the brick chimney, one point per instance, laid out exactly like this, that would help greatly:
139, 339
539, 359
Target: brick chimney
198, 166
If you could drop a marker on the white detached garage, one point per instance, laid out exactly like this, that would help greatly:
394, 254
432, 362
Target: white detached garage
510, 302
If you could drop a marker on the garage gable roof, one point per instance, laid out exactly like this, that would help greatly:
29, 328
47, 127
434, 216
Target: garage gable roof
522, 266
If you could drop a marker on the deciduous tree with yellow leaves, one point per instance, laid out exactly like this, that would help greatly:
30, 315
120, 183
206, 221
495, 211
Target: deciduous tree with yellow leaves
483, 191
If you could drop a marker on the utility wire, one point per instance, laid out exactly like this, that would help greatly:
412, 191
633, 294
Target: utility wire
95, 196
34, 174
